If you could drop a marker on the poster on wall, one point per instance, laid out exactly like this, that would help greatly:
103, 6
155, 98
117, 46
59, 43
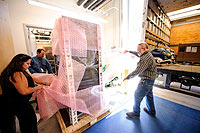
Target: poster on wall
194, 49
188, 49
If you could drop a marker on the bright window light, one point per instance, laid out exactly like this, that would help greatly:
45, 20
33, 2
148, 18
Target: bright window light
81, 16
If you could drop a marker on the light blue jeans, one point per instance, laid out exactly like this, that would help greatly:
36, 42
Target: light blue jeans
144, 88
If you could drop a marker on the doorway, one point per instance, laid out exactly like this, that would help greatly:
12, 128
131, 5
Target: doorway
39, 38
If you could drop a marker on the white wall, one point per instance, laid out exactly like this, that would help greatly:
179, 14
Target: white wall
6, 42
112, 28
23, 13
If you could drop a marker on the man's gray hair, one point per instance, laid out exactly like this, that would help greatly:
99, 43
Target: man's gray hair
143, 45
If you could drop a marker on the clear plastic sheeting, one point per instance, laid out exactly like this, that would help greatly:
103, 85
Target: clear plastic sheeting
115, 63
77, 43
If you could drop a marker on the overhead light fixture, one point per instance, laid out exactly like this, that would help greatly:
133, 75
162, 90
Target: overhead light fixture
184, 10
46, 32
184, 13
68, 13
44, 5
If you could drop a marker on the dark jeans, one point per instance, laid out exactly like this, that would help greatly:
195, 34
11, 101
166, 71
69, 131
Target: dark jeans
144, 88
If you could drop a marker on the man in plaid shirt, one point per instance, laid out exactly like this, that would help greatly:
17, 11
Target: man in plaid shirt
147, 71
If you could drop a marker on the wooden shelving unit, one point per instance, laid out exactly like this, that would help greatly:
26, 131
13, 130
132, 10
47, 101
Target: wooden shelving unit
43, 41
157, 26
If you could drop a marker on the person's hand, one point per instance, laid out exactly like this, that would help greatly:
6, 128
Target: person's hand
124, 79
125, 51
39, 87
46, 83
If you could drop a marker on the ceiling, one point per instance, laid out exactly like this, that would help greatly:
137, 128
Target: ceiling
173, 5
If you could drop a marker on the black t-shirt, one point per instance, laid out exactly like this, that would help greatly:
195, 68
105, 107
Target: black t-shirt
11, 94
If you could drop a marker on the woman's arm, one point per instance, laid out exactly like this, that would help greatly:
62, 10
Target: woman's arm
38, 81
21, 84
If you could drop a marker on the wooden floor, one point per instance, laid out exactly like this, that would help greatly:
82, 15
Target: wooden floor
188, 68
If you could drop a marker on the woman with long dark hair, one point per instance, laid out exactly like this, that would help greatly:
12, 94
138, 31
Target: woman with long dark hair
17, 88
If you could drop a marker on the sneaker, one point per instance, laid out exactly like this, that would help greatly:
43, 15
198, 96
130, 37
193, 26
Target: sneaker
132, 115
151, 114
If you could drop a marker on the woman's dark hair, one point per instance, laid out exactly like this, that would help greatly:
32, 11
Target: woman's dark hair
14, 66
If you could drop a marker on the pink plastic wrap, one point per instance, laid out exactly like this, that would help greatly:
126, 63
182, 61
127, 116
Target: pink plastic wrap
71, 37
44, 77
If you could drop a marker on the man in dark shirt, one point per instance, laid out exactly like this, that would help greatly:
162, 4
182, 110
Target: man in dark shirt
39, 64
147, 71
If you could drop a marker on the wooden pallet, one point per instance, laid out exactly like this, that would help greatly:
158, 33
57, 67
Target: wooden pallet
84, 123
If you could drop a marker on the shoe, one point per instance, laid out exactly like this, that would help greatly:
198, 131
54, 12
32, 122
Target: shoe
151, 114
132, 115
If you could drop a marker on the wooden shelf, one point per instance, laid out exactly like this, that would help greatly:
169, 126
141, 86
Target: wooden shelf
157, 35
152, 37
158, 26
151, 43
161, 46
48, 36
159, 17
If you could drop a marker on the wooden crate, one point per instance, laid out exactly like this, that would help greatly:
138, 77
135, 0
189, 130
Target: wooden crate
84, 123
189, 53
